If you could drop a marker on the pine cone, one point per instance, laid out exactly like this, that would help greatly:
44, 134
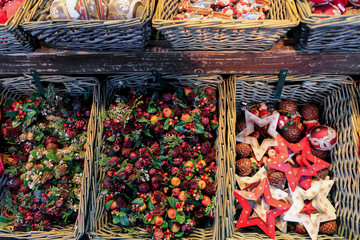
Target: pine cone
275, 177
177, 152
159, 209
210, 189
205, 148
243, 150
177, 111
46, 176
167, 97
193, 184
320, 154
177, 161
125, 152
139, 164
158, 234
51, 146
64, 195
243, 166
181, 175
127, 143
61, 169
113, 186
155, 148
186, 155
291, 133
49, 140
322, 174
240, 125
288, 105
158, 196
159, 129
328, 227
186, 184
309, 112
144, 188
121, 202
46, 223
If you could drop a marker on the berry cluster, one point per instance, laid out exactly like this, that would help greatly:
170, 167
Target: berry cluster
45, 139
159, 160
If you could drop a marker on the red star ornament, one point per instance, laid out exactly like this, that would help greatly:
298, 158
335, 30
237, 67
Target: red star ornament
308, 207
246, 220
293, 175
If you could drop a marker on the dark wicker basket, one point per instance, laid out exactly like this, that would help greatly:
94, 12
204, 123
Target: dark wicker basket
337, 97
324, 33
212, 34
89, 35
100, 223
24, 86
13, 39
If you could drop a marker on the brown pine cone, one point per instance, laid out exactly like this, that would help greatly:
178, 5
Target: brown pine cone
322, 174
288, 105
144, 187
243, 150
46, 176
158, 234
64, 195
158, 196
291, 133
186, 184
210, 189
309, 112
61, 169
46, 223
275, 177
159, 209
80, 125
240, 125
328, 227
320, 154
193, 184
121, 202
243, 166
51, 146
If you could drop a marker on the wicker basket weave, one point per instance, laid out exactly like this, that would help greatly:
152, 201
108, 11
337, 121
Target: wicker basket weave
23, 86
336, 95
254, 35
100, 223
89, 35
12, 37
328, 34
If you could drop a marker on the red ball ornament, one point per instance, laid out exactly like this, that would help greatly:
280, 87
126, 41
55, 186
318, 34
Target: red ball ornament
327, 9
323, 137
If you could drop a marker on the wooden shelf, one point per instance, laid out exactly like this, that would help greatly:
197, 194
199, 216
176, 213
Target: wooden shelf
159, 56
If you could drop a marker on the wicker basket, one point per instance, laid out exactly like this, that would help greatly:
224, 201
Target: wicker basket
337, 97
89, 35
75, 86
328, 34
100, 226
251, 35
12, 37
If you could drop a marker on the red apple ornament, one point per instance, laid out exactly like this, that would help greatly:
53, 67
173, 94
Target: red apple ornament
323, 137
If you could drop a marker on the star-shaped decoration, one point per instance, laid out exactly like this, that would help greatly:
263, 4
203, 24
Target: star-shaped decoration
308, 207
313, 195
251, 119
277, 208
293, 175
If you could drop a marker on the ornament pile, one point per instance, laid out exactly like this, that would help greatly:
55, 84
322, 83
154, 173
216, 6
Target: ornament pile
223, 9
97, 9
282, 169
335, 7
8, 8
160, 161
44, 139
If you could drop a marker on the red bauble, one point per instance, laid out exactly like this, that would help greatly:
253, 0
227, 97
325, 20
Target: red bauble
323, 137
327, 9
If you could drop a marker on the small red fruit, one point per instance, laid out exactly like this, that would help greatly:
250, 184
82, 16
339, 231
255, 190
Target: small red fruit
206, 201
167, 112
175, 181
172, 213
133, 156
182, 196
113, 205
175, 227
187, 91
158, 221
